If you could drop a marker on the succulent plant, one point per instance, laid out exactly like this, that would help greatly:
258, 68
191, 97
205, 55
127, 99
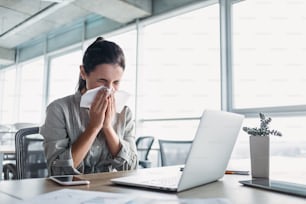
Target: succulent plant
263, 130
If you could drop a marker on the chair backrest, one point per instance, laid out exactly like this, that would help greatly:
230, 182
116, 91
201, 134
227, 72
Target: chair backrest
18, 126
144, 144
174, 152
30, 158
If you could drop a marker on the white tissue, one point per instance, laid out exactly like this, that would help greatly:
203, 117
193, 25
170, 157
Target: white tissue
121, 98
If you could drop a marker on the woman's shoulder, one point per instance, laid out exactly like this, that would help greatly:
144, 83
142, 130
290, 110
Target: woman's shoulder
126, 110
126, 113
62, 102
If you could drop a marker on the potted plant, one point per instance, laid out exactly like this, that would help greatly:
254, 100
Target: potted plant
260, 147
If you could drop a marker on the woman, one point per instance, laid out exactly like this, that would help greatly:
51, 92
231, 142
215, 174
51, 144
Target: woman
96, 139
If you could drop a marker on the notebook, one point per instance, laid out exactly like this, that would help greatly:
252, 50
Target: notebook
207, 160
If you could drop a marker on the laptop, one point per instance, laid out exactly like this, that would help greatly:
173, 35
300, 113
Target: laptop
207, 159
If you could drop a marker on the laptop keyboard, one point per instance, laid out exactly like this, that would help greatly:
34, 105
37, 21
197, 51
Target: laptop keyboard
165, 181
171, 181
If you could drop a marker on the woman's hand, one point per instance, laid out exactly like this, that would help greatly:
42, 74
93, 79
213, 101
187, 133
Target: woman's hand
101, 114
98, 109
110, 111
111, 136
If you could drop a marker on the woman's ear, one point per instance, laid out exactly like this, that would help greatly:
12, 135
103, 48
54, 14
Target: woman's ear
82, 72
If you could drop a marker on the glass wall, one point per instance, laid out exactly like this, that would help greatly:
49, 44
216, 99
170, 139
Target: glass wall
269, 53
8, 95
22, 93
181, 65
268, 72
180, 73
175, 74
31, 91
64, 74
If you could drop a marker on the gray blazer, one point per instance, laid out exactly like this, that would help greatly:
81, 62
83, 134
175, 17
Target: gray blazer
66, 121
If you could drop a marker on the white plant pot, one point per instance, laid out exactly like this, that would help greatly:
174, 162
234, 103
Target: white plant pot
260, 156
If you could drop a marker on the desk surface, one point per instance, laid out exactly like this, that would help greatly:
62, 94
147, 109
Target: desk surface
227, 187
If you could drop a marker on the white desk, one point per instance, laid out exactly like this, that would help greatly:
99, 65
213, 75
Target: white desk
228, 187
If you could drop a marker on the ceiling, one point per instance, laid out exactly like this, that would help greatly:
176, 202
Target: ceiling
23, 20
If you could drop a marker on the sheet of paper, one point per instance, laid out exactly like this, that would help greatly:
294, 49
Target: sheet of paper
70, 196
121, 98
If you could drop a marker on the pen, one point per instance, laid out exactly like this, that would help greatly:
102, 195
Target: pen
237, 172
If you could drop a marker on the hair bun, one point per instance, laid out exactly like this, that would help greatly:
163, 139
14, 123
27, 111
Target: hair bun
99, 39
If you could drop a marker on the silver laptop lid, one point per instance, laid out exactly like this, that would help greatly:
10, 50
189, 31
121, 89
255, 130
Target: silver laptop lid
211, 148
207, 160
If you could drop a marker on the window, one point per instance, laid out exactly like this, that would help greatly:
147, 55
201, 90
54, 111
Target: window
31, 91
177, 130
8, 95
269, 53
179, 74
181, 65
64, 75
268, 66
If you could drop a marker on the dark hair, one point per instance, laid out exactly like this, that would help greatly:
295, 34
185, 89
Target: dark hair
101, 52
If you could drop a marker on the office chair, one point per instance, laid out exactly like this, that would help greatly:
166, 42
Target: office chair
30, 158
9, 171
174, 152
18, 126
8, 158
144, 144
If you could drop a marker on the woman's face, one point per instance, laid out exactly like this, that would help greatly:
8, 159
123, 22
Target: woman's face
108, 75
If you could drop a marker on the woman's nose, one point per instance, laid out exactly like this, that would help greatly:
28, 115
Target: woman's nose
109, 86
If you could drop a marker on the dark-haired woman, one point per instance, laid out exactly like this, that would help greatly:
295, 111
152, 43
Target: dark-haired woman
82, 140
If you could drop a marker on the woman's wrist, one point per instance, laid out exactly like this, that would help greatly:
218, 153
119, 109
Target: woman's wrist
93, 129
108, 129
